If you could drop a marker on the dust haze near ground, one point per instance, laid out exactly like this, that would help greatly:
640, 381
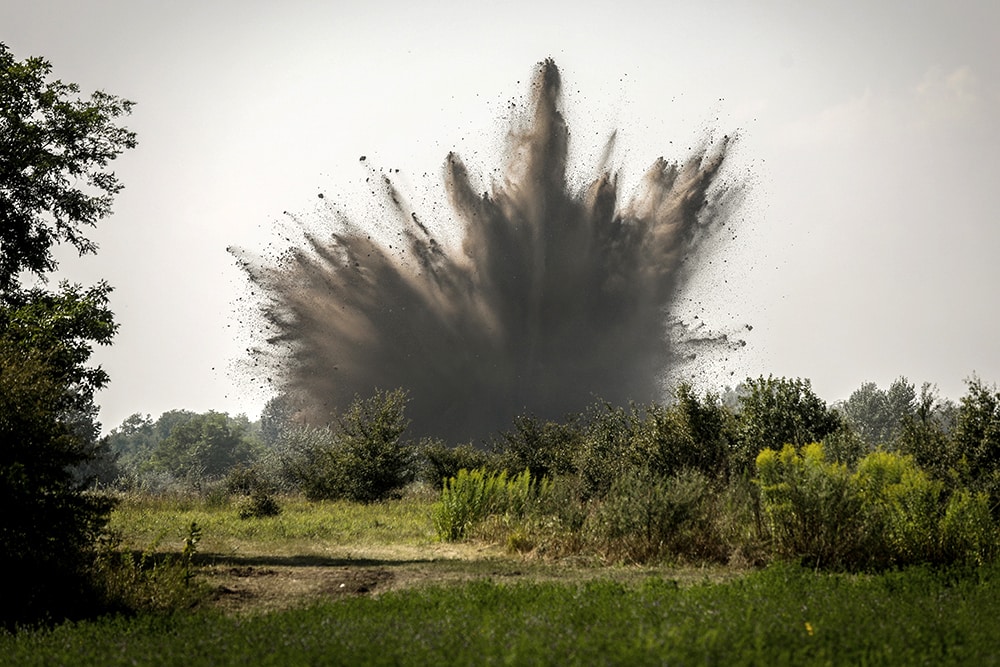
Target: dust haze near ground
553, 299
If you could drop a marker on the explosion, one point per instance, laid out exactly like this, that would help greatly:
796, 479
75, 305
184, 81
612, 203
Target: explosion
553, 299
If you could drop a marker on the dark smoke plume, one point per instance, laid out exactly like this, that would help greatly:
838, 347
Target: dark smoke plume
555, 298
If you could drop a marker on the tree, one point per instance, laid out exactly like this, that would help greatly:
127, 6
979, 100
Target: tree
55, 149
54, 154
877, 415
277, 416
47, 430
364, 459
777, 412
204, 446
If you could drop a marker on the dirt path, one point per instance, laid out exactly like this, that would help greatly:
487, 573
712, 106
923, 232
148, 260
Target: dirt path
264, 583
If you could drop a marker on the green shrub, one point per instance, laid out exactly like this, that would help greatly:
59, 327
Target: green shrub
690, 434
645, 518
258, 505
255, 490
845, 446
812, 508
712, 428
775, 412
442, 462
609, 450
968, 532
889, 513
902, 508
544, 448
364, 460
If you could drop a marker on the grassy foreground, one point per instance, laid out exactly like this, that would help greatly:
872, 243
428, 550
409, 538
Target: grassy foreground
782, 615
341, 583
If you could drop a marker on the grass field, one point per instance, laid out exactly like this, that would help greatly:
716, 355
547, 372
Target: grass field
337, 583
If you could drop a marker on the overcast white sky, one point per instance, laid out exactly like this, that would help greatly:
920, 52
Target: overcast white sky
868, 249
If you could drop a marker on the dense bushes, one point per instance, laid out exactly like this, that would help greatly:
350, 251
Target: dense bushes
887, 512
885, 479
678, 481
472, 496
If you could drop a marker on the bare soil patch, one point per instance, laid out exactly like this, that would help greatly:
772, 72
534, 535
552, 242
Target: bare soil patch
262, 583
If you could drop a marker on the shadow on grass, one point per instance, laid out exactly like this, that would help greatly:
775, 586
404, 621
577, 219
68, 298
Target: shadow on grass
209, 558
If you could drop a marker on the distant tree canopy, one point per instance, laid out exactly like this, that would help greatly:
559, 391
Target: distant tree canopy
182, 447
877, 415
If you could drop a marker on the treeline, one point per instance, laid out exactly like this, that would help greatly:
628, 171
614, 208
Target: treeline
717, 434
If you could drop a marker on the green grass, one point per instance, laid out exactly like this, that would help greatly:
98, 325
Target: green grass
445, 603
780, 616
301, 528
783, 615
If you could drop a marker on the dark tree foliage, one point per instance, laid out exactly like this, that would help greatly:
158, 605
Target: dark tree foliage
877, 415
544, 448
977, 432
442, 462
711, 425
55, 149
48, 523
927, 435
975, 441
690, 435
364, 459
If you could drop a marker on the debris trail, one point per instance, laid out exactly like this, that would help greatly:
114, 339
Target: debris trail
553, 298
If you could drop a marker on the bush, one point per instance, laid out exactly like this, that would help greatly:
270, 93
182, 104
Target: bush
364, 460
775, 412
545, 449
609, 449
902, 509
442, 462
711, 426
968, 533
257, 505
256, 491
811, 506
645, 518
690, 434
889, 513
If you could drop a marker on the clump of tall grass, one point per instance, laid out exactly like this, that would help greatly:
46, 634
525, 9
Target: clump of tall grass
149, 581
471, 496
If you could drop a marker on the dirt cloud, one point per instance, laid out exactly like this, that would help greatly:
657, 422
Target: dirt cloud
552, 298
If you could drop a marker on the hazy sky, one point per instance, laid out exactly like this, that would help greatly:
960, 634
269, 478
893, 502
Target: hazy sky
867, 250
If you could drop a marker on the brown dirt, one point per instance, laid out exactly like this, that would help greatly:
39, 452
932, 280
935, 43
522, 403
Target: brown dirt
267, 583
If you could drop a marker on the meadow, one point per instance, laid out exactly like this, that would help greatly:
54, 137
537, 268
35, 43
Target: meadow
349, 583
779, 531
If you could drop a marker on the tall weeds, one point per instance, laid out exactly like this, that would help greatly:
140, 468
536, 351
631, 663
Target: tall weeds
468, 498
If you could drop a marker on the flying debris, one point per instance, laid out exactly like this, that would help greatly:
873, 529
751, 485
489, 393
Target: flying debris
552, 299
